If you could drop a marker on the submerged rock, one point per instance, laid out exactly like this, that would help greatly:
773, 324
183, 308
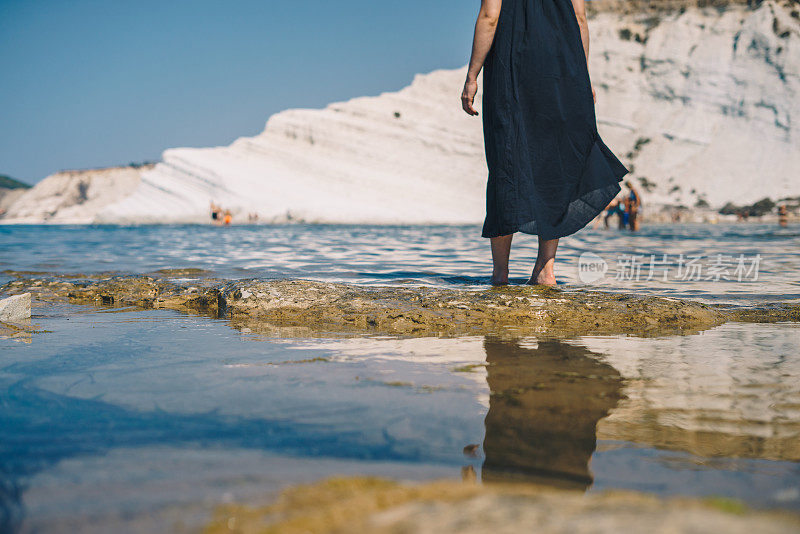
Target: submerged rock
15, 309
309, 306
772, 314
374, 505
16, 331
186, 271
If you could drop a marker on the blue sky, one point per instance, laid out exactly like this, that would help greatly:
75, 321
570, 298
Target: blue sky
98, 83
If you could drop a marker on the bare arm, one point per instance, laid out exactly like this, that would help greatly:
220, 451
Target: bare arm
485, 27
580, 13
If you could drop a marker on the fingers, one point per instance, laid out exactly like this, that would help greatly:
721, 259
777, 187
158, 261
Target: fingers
468, 97
466, 104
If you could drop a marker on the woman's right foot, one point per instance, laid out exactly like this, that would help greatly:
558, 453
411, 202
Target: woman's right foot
500, 279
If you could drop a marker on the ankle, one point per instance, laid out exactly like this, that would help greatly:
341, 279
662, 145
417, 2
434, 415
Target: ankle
545, 274
499, 276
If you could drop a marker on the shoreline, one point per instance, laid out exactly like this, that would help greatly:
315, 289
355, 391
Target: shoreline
660, 218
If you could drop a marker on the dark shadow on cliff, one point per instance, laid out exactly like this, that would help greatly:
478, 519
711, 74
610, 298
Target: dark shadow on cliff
546, 400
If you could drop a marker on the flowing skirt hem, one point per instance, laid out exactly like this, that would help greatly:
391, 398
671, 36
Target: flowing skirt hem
599, 185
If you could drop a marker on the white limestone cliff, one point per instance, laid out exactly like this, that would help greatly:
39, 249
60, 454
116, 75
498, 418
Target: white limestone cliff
9, 197
703, 104
74, 197
712, 98
406, 157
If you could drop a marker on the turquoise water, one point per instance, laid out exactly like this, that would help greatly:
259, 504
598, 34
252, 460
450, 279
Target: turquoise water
127, 420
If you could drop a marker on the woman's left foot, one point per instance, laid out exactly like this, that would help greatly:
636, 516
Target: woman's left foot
542, 279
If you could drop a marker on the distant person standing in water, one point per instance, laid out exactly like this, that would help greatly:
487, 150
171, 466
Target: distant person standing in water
633, 204
617, 207
216, 213
783, 215
550, 174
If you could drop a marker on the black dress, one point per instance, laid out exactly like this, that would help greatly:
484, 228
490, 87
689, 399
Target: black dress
549, 172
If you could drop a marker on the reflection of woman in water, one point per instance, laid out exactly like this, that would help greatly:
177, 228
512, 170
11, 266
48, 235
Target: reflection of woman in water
544, 407
550, 174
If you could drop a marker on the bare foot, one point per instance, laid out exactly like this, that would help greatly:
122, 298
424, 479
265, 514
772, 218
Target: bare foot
499, 278
542, 278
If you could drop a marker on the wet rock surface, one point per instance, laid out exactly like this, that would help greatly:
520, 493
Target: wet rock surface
763, 314
305, 306
374, 505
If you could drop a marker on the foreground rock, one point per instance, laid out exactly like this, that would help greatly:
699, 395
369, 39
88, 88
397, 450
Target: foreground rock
373, 505
430, 310
15, 309
327, 307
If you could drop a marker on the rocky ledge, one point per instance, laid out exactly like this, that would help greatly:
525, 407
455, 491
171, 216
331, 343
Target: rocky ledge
262, 305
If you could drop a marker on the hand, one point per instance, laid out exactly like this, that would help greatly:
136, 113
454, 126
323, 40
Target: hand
468, 97
594, 95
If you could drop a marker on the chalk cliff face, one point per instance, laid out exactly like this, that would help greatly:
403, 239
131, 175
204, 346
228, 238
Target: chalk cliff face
74, 197
9, 197
10, 191
703, 104
411, 156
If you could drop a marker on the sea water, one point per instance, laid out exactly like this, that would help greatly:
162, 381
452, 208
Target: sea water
144, 420
694, 260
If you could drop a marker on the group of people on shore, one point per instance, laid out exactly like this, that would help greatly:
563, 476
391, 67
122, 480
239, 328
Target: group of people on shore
626, 207
222, 217
783, 215
219, 216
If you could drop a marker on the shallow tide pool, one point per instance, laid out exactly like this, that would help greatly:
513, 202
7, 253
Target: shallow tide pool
129, 420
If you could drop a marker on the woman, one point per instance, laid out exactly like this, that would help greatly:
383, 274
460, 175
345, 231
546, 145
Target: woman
550, 174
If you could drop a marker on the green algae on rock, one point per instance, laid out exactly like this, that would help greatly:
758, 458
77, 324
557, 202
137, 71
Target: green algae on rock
426, 310
392, 310
261, 305
142, 291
